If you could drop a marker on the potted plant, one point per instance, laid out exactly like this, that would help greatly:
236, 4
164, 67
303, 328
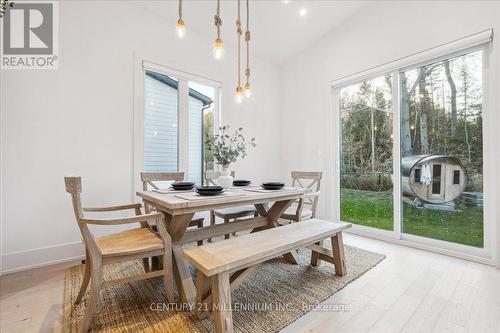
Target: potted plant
227, 147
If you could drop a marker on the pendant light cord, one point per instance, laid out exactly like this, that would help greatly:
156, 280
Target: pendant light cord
218, 21
247, 40
180, 9
238, 32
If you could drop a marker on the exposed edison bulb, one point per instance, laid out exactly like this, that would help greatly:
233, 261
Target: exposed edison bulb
218, 50
180, 28
238, 96
248, 91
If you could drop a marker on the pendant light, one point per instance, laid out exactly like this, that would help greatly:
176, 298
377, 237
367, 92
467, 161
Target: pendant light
248, 91
218, 46
238, 97
180, 28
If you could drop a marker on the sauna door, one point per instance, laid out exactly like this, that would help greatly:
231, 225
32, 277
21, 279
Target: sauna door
437, 188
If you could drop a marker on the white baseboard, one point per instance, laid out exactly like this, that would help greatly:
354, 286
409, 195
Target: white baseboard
24, 260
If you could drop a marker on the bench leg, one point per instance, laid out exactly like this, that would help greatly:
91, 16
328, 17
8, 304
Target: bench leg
222, 303
315, 261
338, 254
203, 286
290, 257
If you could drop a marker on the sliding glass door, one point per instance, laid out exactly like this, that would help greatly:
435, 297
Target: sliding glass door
366, 153
442, 150
410, 152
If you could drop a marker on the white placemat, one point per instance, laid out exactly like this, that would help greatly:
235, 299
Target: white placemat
243, 187
195, 196
170, 191
261, 190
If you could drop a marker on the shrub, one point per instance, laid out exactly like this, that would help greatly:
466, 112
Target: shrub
369, 182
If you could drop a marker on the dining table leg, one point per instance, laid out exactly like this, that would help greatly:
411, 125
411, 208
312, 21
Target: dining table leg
273, 213
176, 227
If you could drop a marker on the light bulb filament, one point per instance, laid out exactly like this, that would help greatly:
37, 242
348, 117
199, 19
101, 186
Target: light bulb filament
238, 97
218, 49
180, 28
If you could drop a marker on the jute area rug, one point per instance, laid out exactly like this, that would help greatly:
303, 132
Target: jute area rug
274, 296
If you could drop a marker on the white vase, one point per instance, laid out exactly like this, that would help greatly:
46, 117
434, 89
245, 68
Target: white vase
225, 179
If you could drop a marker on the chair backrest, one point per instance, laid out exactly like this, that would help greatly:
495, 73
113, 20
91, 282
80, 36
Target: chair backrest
148, 178
74, 187
311, 181
211, 176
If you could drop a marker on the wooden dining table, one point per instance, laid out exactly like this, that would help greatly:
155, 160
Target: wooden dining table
179, 209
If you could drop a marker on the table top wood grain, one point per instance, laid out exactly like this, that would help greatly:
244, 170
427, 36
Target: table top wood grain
173, 204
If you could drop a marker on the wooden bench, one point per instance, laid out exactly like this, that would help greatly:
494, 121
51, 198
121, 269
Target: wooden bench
226, 264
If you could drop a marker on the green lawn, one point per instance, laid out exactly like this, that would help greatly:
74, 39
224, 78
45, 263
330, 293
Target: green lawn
374, 209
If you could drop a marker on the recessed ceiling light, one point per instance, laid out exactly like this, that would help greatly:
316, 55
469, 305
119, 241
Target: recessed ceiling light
302, 12
285, 1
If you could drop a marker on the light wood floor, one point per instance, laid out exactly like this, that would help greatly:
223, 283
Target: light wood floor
410, 291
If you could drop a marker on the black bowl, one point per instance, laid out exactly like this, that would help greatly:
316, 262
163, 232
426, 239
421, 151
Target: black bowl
209, 190
183, 185
272, 185
241, 182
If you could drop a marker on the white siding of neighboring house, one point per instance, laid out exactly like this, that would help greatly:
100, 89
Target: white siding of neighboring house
195, 148
160, 126
161, 130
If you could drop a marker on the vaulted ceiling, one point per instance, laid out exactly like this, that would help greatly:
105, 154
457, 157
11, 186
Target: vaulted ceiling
279, 31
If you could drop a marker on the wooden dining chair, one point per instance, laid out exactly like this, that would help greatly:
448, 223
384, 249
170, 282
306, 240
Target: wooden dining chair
150, 180
132, 244
227, 214
305, 208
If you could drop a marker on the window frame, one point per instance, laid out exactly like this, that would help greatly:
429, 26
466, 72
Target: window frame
487, 254
143, 64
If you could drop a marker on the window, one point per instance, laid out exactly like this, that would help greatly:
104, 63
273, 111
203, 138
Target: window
417, 175
424, 184
161, 104
201, 119
180, 111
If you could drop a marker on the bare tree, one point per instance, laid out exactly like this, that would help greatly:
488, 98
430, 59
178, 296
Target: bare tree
453, 89
406, 149
424, 136
406, 94
465, 79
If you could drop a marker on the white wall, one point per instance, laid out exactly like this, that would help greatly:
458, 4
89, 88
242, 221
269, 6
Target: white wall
380, 33
78, 120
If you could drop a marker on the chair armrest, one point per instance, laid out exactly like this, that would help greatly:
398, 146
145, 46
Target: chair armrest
123, 220
113, 208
